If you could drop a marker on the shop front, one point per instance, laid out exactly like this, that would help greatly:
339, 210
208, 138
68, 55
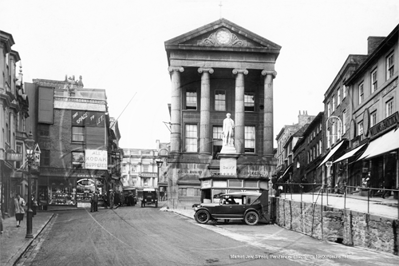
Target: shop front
66, 187
380, 159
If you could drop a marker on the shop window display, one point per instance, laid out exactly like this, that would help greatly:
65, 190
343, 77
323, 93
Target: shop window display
84, 189
61, 192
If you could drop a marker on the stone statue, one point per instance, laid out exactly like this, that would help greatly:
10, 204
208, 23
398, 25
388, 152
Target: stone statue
228, 131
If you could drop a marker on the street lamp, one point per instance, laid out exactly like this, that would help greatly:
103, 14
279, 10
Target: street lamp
338, 134
159, 164
30, 154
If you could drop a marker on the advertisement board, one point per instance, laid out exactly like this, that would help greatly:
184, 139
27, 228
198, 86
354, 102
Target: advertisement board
96, 159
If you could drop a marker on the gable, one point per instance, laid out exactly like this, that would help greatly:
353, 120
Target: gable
222, 34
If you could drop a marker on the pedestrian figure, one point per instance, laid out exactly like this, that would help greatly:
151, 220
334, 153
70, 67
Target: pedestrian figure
95, 201
1, 223
105, 199
34, 206
92, 203
111, 199
19, 204
117, 200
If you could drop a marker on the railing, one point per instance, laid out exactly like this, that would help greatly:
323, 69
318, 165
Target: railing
316, 190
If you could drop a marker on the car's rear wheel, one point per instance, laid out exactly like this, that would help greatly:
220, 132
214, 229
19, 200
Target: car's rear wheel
202, 216
251, 218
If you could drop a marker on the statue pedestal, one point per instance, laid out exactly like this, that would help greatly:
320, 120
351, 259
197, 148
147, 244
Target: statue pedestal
228, 160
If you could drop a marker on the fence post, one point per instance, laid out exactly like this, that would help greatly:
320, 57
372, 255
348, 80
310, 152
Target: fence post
344, 197
327, 197
397, 193
291, 190
368, 201
301, 193
312, 192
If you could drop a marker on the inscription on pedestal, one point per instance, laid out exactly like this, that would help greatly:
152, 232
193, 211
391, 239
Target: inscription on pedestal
228, 166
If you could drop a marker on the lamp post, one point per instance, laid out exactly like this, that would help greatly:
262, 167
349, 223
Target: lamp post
159, 164
30, 154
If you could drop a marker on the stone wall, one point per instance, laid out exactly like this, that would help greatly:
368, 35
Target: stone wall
337, 225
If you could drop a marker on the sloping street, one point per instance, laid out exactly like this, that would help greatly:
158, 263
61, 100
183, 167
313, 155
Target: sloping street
147, 236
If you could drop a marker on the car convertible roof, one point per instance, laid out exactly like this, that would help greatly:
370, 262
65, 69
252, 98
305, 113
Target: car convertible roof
246, 193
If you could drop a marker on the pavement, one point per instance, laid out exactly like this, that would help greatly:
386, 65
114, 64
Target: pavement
378, 206
13, 242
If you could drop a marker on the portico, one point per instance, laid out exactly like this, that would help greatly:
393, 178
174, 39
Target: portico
217, 69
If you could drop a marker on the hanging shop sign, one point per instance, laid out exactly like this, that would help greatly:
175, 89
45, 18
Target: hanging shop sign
96, 159
14, 156
366, 123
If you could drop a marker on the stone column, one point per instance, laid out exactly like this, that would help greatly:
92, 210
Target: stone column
205, 140
268, 113
175, 135
239, 131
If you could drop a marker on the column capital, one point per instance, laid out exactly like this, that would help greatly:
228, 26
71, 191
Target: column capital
240, 70
269, 72
175, 68
205, 69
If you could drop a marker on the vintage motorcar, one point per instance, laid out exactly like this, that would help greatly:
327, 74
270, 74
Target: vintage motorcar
149, 197
231, 206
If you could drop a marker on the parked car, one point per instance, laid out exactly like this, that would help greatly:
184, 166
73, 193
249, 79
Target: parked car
244, 206
130, 197
149, 197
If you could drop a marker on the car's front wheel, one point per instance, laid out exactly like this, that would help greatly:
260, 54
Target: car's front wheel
251, 218
202, 216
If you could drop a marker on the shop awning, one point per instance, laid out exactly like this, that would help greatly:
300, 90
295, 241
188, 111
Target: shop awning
331, 153
349, 154
386, 143
285, 172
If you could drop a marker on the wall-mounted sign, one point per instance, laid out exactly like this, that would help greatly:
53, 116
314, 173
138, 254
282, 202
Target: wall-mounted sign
88, 119
385, 124
192, 170
96, 159
205, 184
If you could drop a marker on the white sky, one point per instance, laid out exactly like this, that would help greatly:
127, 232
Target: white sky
118, 45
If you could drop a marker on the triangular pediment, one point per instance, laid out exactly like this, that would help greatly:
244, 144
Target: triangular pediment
221, 34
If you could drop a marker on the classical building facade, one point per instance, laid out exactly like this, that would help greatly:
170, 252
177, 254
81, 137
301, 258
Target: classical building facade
217, 69
14, 105
72, 129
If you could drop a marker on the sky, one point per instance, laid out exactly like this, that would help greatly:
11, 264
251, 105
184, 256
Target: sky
118, 46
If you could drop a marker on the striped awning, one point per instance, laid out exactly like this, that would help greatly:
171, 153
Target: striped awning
349, 154
331, 153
